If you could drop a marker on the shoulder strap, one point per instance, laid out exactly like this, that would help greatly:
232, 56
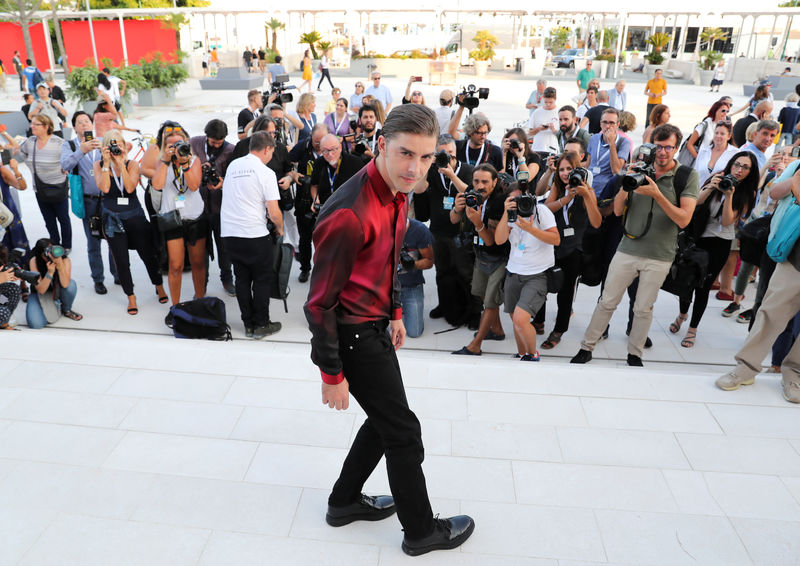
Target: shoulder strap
73, 146
679, 183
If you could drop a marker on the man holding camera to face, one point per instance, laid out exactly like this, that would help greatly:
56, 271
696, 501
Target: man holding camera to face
214, 154
657, 199
453, 254
364, 142
476, 149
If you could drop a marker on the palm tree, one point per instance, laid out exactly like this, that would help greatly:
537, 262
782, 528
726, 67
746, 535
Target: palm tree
274, 25
710, 35
311, 38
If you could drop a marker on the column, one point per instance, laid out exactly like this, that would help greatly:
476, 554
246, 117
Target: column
602, 33
672, 35
682, 42
618, 49
771, 33
736, 43
50, 57
752, 33
124, 41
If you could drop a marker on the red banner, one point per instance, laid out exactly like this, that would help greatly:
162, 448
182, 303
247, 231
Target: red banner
12, 39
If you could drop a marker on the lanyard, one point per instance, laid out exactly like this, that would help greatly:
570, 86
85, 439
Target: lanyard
448, 185
565, 211
332, 178
120, 185
600, 143
307, 124
335, 125
466, 154
373, 141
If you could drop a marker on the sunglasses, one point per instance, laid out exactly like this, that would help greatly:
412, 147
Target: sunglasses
416, 93
170, 129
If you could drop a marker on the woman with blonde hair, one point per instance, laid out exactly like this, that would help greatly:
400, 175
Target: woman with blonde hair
380, 113
304, 112
307, 72
124, 223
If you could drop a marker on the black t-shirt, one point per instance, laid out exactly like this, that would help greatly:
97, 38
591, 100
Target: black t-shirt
430, 205
110, 202
493, 209
323, 174
247, 55
578, 220
245, 117
532, 159
593, 115
492, 154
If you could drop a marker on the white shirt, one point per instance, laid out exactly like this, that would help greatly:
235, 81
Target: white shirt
704, 156
546, 140
248, 185
529, 255
114, 93
193, 204
708, 136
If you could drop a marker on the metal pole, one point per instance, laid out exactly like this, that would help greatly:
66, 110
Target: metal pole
91, 35
619, 43
752, 33
771, 33
124, 41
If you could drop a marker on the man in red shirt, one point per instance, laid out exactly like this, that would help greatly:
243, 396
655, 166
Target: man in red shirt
354, 295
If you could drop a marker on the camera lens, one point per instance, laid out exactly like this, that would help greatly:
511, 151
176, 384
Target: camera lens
442, 159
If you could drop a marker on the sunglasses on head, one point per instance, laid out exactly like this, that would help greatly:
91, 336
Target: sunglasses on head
170, 129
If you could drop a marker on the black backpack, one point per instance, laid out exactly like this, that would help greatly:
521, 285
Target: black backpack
281, 270
200, 318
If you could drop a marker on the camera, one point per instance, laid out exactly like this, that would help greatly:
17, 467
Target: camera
113, 148
472, 96
513, 143
182, 148
642, 169
526, 204
210, 176
360, 144
522, 180
312, 214
280, 131
278, 86
442, 159
55, 251
577, 176
14, 257
473, 199
728, 182
406, 259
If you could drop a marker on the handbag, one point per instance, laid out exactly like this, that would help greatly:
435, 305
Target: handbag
753, 238
555, 279
76, 189
6, 216
96, 222
784, 229
168, 221
50, 194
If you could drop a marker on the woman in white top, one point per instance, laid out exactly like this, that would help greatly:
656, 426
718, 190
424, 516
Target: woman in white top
324, 62
178, 175
713, 158
716, 114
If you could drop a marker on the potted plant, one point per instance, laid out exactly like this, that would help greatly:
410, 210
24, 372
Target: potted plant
484, 52
161, 79
82, 84
708, 56
658, 41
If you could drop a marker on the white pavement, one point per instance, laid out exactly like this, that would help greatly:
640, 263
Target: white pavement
119, 445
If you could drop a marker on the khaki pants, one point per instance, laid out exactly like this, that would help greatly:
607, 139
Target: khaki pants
623, 270
781, 303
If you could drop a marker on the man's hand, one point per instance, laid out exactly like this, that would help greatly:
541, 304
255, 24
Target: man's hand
610, 135
473, 215
397, 331
460, 203
285, 182
336, 396
648, 190
88, 146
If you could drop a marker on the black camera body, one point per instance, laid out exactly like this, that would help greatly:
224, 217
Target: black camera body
406, 259
278, 86
643, 168
513, 143
442, 159
182, 148
472, 96
728, 182
577, 176
114, 148
14, 258
473, 199
360, 144
210, 176
526, 204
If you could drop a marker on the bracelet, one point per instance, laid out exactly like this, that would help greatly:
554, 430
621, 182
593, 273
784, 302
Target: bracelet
104, 169
166, 162
483, 226
48, 276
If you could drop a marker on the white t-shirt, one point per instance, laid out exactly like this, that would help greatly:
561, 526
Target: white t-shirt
546, 140
175, 188
583, 109
529, 255
115, 94
248, 185
708, 136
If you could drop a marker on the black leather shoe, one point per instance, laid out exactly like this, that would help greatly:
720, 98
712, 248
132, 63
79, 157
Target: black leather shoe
447, 534
303, 276
100, 288
366, 508
581, 357
436, 312
647, 343
230, 288
635, 361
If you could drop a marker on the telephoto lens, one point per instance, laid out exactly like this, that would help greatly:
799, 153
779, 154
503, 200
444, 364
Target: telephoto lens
442, 159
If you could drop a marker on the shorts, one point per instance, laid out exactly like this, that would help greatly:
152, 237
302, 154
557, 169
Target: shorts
190, 231
527, 292
117, 104
205, 65
489, 285
715, 82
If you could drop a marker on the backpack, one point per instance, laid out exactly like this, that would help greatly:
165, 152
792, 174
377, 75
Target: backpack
686, 158
200, 318
281, 269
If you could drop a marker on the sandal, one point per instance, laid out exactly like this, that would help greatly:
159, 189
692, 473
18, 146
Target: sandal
552, 340
162, 298
539, 327
133, 310
73, 315
675, 327
688, 340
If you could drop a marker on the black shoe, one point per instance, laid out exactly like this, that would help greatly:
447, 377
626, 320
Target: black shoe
474, 322
581, 357
248, 331
271, 328
604, 335
635, 361
100, 288
366, 508
447, 534
436, 313
303, 276
229, 288
492, 336
647, 343
117, 282
168, 319
466, 352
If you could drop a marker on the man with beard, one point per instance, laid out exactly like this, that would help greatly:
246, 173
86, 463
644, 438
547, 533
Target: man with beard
568, 127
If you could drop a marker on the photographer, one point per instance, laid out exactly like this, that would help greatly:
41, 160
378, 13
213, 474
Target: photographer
248, 115
124, 223
331, 169
453, 254
56, 290
573, 145
416, 255
415, 97
517, 155
574, 205
608, 152
368, 128
568, 128
214, 154
484, 206
9, 290
178, 176
476, 149
544, 124
532, 234
652, 214
724, 199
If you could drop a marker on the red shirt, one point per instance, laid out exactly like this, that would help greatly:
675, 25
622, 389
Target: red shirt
357, 239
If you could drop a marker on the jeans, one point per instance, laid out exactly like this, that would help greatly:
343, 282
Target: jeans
785, 341
93, 246
325, 74
252, 266
34, 313
55, 215
391, 428
786, 138
413, 309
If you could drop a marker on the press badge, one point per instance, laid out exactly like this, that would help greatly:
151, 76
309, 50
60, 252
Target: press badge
569, 232
521, 247
448, 202
595, 170
180, 201
122, 201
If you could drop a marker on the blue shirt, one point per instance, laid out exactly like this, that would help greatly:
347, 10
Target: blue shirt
760, 157
85, 163
600, 157
418, 237
382, 93
355, 100
276, 69
29, 73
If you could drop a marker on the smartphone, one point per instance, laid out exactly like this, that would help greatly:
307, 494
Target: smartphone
795, 151
5, 156
88, 136
417, 79
3, 128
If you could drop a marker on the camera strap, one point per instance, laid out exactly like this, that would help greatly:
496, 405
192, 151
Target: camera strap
625, 218
448, 184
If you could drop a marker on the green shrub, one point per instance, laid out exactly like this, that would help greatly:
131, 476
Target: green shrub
157, 73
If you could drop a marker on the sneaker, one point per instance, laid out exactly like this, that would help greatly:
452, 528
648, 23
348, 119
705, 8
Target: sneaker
604, 335
731, 381
248, 331
635, 361
745, 316
581, 357
791, 390
731, 309
530, 357
229, 288
447, 534
271, 328
303, 276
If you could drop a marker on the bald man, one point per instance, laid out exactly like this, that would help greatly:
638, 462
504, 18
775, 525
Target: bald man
332, 168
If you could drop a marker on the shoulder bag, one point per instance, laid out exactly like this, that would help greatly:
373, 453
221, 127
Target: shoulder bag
75, 188
785, 229
48, 193
684, 156
6, 216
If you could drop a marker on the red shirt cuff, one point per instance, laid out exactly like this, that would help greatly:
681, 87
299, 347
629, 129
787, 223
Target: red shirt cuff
397, 314
332, 379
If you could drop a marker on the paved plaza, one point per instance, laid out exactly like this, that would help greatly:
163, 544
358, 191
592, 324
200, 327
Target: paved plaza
121, 445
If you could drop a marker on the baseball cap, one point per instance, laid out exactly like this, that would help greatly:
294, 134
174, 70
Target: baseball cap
44, 84
765, 82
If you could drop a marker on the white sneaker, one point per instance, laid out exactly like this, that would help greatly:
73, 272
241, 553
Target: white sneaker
791, 390
731, 381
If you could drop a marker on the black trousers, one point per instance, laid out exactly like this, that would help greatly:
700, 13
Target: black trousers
647, 116
718, 250
305, 228
451, 258
571, 266
136, 237
252, 267
391, 428
325, 74
222, 255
